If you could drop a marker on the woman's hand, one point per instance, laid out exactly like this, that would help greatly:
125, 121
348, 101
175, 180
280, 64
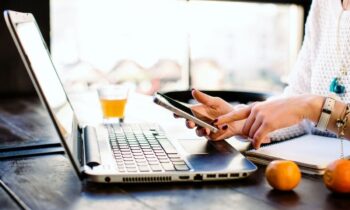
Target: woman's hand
265, 117
210, 108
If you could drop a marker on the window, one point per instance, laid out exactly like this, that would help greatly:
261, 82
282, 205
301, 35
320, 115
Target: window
171, 45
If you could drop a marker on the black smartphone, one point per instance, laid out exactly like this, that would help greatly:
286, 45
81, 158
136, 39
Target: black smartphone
182, 110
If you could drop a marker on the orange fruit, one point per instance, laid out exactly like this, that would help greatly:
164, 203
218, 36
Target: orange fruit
337, 176
283, 174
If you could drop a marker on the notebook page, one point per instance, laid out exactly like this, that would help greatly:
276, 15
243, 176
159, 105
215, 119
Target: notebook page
309, 150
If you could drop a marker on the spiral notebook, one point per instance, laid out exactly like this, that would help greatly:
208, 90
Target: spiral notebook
311, 152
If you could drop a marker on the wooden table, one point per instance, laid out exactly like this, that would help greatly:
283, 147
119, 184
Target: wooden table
49, 182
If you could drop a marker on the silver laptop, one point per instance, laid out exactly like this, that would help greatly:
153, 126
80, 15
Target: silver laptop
119, 153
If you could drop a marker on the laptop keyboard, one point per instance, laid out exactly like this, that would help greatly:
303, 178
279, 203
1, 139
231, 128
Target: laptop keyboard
143, 148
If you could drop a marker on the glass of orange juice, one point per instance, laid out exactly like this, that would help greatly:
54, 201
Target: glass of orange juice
113, 100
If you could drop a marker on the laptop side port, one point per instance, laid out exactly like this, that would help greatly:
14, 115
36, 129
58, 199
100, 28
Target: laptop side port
107, 179
211, 175
223, 175
198, 177
234, 175
184, 177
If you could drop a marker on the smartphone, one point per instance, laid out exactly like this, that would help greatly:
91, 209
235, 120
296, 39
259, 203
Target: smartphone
182, 110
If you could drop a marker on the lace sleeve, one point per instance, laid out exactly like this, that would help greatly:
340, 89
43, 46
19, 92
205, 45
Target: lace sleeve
300, 76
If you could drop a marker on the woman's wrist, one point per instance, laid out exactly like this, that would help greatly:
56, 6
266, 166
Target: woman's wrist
312, 107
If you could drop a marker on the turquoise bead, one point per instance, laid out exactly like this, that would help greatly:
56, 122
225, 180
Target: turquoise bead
336, 87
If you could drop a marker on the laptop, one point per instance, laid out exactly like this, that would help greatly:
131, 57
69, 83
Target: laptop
119, 153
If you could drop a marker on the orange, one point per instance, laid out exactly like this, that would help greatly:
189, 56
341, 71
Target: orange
337, 176
283, 174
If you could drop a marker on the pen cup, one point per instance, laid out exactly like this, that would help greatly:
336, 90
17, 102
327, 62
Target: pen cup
113, 99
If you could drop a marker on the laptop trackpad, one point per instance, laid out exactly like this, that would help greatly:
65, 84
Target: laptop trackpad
210, 155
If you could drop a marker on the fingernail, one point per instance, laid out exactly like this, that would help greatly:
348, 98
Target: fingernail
224, 127
192, 89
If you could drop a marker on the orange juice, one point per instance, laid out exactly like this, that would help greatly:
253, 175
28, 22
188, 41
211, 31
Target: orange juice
113, 108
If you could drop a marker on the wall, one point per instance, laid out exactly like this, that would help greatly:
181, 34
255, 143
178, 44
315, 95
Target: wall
14, 79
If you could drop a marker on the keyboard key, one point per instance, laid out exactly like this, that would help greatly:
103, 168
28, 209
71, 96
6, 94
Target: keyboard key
178, 162
143, 142
156, 168
161, 155
157, 152
156, 146
174, 155
131, 169
168, 167
143, 168
181, 167
132, 141
127, 156
125, 150
175, 159
129, 164
147, 150
136, 151
142, 163
150, 155
140, 160
152, 160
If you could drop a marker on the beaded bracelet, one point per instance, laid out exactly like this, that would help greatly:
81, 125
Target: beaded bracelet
341, 124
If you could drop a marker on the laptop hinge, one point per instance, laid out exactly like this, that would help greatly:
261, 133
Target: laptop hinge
80, 146
91, 148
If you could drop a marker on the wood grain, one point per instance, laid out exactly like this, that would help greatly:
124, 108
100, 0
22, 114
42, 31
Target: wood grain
49, 182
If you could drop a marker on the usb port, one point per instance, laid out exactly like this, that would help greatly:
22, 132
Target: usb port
184, 177
211, 175
222, 175
234, 175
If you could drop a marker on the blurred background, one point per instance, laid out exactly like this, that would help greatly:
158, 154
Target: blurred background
167, 45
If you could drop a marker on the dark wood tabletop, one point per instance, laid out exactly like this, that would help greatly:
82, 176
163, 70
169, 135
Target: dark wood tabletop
49, 181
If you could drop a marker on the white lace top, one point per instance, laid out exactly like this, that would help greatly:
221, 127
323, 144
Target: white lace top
319, 60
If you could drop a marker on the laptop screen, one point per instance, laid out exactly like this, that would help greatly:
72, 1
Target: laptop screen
46, 79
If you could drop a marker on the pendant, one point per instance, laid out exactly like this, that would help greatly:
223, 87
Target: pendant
336, 87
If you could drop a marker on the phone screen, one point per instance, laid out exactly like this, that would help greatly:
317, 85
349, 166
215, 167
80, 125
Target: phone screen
178, 105
199, 118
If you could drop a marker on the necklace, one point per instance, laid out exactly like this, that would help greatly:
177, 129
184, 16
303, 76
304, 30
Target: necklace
337, 86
